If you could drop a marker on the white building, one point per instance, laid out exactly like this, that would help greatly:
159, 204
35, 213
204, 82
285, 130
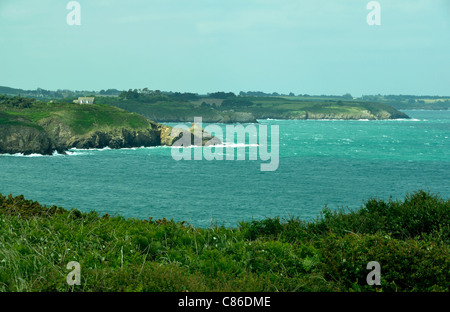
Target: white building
84, 100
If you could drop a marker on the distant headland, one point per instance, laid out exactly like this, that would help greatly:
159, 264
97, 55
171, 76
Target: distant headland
42, 121
245, 107
29, 126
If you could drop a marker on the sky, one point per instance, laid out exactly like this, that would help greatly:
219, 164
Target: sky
305, 47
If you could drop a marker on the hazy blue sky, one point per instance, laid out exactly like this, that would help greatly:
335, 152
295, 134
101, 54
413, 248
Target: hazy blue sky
314, 47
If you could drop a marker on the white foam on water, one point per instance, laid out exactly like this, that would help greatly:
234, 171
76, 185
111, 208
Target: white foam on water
23, 155
91, 149
70, 153
405, 119
54, 154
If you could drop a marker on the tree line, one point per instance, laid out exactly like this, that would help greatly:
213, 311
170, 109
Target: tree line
16, 101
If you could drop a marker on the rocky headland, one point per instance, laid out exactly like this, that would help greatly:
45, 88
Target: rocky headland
79, 126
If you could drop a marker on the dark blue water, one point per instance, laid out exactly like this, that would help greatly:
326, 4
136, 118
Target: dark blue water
333, 163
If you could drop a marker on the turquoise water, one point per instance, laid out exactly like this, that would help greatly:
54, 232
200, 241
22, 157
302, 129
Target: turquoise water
333, 163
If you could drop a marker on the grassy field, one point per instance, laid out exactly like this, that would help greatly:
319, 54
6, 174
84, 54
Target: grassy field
80, 118
173, 110
409, 238
13, 119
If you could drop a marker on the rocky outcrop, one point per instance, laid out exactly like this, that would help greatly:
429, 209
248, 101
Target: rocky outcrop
198, 134
398, 115
170, 135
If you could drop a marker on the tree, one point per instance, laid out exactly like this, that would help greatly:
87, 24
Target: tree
237, 102
348, 96
222, 95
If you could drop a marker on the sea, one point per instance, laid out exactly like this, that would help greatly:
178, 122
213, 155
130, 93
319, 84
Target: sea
339, 164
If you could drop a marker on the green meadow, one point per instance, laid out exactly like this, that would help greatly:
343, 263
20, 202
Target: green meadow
80, 118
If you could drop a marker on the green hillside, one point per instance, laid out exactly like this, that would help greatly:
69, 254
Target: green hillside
227, 107
80, 118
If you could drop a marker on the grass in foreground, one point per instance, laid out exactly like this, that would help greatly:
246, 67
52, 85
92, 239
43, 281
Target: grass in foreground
409, 238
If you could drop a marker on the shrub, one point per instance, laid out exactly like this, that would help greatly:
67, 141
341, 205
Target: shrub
26, 208
412, 265
269, 227
420, 214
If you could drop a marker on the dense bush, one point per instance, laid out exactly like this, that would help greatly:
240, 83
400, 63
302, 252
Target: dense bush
236, 103
420, 214
16, 101
26, 208
411, 265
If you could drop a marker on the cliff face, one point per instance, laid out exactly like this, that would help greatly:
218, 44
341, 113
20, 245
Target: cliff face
64, 138
52, 134
119, 138
23, 139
